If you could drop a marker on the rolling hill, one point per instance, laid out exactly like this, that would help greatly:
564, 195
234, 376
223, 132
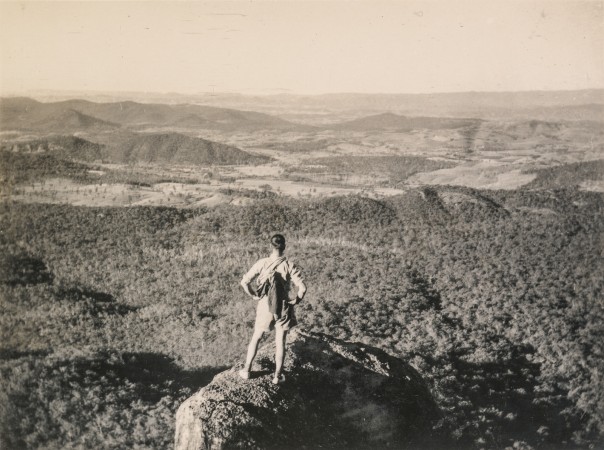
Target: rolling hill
127, 146
589, 112
394, 122
544, 105
175, 148
22, 113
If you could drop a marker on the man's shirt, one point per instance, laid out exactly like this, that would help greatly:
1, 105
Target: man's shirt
288, 271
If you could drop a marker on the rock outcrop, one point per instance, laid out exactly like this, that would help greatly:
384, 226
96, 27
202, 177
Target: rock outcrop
336, 395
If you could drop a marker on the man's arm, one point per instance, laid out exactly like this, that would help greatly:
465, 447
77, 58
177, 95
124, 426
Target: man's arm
296, 277
301, 292
246, 281
247, 287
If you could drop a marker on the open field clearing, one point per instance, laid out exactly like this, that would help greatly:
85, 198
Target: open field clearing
179, 195
483, 175
314, 175
61, 190
292, 188
595, 186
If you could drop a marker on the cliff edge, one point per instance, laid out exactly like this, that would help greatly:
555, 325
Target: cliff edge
337, 395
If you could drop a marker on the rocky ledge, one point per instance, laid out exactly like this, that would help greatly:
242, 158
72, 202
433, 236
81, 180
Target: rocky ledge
337, 395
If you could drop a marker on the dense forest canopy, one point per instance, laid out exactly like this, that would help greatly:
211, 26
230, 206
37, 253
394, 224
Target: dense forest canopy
494, 296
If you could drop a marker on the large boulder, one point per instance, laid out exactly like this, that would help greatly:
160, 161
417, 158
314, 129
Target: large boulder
336, 395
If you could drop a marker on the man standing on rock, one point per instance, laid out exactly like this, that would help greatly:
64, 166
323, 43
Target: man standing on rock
274, 308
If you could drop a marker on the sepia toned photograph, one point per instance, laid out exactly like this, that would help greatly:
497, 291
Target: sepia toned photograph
335, 224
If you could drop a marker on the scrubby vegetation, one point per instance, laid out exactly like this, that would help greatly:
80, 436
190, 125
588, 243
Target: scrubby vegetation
27, 167
110, 317
105, 400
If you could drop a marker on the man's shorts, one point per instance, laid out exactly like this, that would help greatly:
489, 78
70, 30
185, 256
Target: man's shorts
265, 320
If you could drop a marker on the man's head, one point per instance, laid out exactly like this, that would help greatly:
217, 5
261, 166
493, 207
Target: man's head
278, 242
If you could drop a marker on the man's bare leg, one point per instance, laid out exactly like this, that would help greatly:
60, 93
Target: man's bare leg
280, 336
252, 349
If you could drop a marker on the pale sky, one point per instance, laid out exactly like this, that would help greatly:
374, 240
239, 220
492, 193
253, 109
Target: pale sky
301, 47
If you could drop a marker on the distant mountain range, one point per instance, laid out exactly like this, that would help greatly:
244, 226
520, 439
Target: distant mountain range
542, 105
590, 112
228, 112
443, 111
21, 113
394, 122
127, 131
31, 115
107, 131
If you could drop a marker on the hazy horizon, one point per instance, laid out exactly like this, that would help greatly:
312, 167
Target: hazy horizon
33, 92
301, 48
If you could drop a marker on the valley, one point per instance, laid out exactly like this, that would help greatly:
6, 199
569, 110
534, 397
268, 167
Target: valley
232, 150
458, 233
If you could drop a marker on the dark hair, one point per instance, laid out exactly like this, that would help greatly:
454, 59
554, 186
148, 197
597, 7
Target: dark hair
278, 241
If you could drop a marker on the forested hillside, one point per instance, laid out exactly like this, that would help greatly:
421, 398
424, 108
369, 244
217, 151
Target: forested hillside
110, 317
62, 147
129, 147
176, 148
